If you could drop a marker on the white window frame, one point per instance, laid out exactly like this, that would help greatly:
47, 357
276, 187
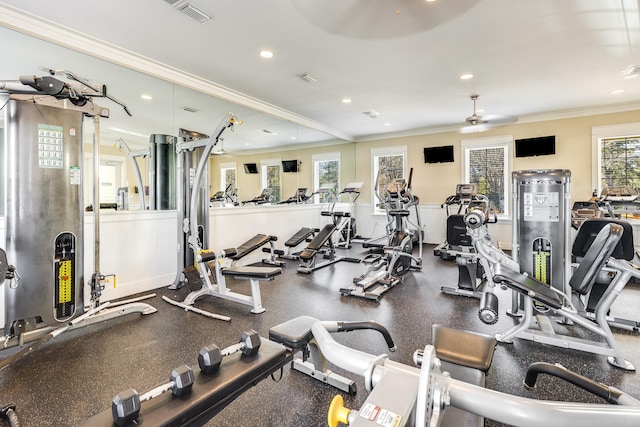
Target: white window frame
263, 173
324, 157
224, 167
599, 133
501, 141
398, 150
120, 178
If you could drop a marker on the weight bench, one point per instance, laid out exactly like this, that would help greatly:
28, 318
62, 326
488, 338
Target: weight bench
215, 284
308, 255
257, 241
296, 336
597, 257
301, 235
210, 394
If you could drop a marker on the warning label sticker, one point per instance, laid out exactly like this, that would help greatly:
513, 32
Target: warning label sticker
369, 411
388, 419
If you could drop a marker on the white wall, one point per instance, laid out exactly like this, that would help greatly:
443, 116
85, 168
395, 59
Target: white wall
138, 247
230, 227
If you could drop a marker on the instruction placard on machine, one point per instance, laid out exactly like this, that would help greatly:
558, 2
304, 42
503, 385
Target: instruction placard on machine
380, 416
541, 206
50, 146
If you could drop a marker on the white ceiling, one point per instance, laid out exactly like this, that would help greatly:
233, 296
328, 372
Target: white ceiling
401, 58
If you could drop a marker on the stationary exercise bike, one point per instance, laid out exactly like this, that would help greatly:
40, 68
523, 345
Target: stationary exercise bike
387, 270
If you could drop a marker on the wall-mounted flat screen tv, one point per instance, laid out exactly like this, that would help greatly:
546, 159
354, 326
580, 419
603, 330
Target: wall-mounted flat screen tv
289, 166
540, 146
250, 168
442, 154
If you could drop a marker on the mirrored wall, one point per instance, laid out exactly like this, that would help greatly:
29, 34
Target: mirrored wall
269, 145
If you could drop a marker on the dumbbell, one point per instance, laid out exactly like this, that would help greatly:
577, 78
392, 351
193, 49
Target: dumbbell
125, 406
210, 357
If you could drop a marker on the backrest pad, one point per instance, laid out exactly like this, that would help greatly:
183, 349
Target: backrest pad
596, 257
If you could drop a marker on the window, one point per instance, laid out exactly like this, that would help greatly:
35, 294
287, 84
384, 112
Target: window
615, 156
620, 162
486, 164
392, 162
326, 170
228, 176
272, 177
111, 177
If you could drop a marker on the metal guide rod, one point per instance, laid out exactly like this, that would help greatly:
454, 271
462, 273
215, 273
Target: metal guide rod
96, 196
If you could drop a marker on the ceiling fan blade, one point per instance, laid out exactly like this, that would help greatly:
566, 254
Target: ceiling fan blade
475, 128
497, 120
476, 123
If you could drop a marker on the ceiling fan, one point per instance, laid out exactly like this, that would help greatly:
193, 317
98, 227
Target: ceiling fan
220, 150
476, 123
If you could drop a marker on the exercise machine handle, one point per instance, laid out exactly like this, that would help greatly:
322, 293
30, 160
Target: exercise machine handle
353, 326
608, 393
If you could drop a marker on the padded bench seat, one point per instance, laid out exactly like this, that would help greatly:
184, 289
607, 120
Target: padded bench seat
464, 348
210, 393
249, 246
299, 237
528, 285
317, 243
248, 272
294, 333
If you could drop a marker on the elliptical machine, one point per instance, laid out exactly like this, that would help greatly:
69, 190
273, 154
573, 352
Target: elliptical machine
387, 270
460, 244
465, 196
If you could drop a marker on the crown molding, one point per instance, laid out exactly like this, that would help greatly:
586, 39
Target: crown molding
32, 25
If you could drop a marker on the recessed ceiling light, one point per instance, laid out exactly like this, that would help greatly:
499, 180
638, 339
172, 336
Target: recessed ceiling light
293, 138
387, 124
466, 76
266, 53
346, 100
146, 97
617, 91
430, 1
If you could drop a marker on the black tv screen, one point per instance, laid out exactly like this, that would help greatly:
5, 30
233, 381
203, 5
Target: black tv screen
289, 166
442, 154
540, 146
250, 168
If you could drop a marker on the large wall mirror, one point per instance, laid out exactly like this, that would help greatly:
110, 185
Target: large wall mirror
161, 107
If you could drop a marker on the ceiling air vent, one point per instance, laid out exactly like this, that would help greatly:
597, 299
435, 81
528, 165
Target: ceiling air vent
307, 78
190, 109
371, 113
190, 10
